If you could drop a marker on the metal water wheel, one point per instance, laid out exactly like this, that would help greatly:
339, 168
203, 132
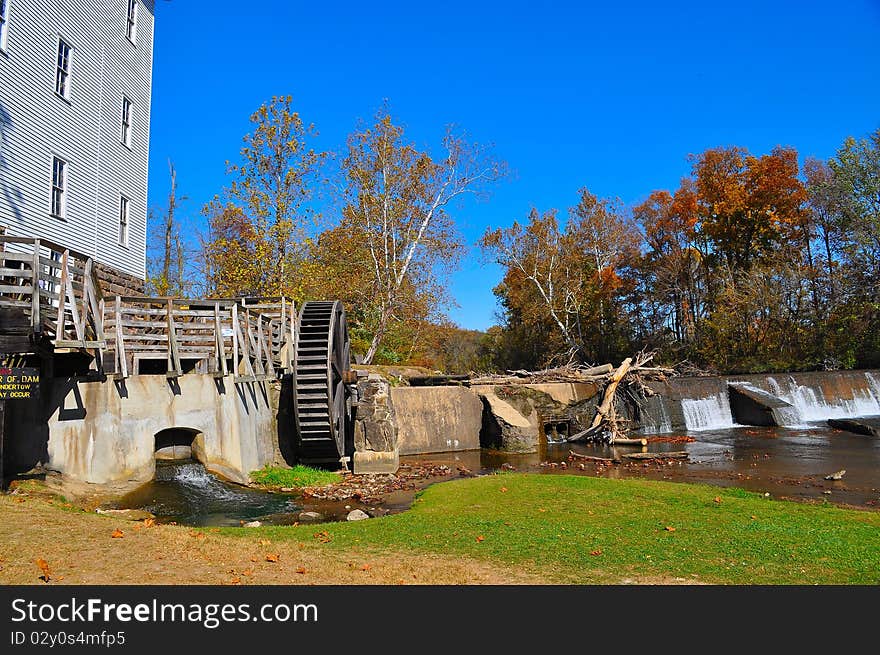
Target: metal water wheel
321, 400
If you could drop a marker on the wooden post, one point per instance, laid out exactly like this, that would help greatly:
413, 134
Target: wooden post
62, 299
221, 346
84, 312
235, 331
78, 326
97, 300
36, 324
269, 369
121, 364
173, 353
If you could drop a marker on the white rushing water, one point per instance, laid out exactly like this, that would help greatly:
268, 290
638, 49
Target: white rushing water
812, 406
663, 426
712, 413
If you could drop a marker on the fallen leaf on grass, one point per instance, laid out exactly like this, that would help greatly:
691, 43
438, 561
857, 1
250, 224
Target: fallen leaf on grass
149, 523
596, 552
43, 565
480, 538
541, 510
265, 542
272, 557
717, 499
504, 490
301, 570
323, 536
254, 558
366, 567
669, 528
117, 534
235, 580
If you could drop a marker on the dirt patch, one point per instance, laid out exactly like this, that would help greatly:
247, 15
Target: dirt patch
80, 548
42, 537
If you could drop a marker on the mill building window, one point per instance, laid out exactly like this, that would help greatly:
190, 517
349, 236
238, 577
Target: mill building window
62, 72
59, 187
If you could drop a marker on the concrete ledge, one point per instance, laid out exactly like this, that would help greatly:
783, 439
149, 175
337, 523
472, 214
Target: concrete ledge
751, 406
436, 419
371, 461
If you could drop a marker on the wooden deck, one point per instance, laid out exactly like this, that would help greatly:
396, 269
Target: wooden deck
51, 301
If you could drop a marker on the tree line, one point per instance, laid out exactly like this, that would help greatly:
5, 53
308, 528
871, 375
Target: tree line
385, 248
754, 263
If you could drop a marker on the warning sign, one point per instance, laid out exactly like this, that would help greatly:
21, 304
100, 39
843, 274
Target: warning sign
19, 383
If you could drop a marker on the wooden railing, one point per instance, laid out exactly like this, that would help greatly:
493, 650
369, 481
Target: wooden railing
55, 288
52, 295
252, 339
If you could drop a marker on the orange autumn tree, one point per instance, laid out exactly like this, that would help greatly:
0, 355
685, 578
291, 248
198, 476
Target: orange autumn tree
747, 206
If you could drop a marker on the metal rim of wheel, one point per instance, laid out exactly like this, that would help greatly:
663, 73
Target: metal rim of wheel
322, 357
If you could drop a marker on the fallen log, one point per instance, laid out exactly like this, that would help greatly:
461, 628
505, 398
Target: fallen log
608, 399
621, 441
595, 370
586, 435
593, 458
678, 454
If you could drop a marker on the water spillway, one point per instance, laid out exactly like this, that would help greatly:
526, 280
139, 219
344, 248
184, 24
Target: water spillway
815, 403
710, 413
789, 399
184, 492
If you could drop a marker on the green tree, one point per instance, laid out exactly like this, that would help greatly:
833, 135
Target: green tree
257, 239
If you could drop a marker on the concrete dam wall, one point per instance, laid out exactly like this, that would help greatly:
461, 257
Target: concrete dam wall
699, 404
106, 435
96, 434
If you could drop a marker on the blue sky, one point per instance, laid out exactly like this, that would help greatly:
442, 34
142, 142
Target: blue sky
612, 96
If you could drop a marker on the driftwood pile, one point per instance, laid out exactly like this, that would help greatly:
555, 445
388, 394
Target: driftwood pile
628, 380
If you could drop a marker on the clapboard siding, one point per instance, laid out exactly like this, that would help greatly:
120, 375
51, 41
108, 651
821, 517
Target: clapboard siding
86, 131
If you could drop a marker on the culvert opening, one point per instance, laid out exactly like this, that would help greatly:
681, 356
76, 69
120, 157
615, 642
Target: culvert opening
175, 444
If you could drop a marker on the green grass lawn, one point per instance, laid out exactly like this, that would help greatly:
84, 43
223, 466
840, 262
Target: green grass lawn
298, 476
593, 530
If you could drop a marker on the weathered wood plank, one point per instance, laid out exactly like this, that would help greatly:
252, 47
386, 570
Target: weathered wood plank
36, 322
59, 320
17, 289
173, 353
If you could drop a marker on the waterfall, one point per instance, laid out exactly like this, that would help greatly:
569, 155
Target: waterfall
661, 426
712, 413
812, 406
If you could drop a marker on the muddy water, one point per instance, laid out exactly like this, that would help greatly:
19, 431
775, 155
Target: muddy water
785, 462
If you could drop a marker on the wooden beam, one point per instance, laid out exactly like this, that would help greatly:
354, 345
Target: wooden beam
221, 346
173, 354
78, 326
62, 292
249, 369
121, 364
36, 324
